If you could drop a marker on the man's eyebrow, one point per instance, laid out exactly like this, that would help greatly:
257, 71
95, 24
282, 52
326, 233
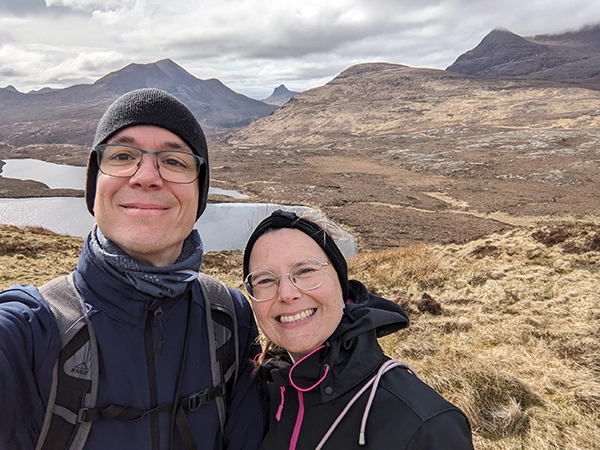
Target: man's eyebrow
167, 145
174, 145
122, 139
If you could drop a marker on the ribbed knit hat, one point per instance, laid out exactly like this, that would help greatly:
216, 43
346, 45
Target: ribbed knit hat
149, 107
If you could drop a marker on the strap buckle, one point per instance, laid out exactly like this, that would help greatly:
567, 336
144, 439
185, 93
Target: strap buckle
198, 399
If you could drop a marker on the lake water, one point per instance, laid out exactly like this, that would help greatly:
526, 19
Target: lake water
62, 176
223, 226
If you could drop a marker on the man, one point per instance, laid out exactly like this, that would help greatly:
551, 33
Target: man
147, 184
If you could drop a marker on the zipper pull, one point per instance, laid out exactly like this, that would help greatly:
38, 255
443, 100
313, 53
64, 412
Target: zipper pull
158, 315
280, 409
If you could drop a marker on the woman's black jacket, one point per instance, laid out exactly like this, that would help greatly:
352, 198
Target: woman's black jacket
405, 413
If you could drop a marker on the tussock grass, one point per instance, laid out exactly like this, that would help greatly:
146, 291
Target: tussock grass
34, 255
506, 327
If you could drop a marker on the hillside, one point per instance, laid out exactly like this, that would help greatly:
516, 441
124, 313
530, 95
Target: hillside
507, 326
379, 100
400, 155
403, 155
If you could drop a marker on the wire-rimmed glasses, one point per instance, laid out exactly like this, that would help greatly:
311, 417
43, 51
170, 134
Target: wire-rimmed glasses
123, 161
306, 275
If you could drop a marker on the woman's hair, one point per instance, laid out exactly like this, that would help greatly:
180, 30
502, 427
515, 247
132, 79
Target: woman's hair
332, 229
261, 358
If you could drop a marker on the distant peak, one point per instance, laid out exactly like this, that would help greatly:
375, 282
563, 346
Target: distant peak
166, 61
501, 33
501, 37
280, 95
281, 89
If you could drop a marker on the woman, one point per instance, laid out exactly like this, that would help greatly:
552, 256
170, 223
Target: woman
329, 383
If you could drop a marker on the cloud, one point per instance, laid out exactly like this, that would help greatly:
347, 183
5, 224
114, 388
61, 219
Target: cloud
84, 65
21, 7
92, 5
253, 46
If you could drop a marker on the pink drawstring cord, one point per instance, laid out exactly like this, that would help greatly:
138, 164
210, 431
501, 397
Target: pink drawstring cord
298, 362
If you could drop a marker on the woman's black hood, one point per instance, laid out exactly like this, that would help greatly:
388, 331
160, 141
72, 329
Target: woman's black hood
351, 353
365, 312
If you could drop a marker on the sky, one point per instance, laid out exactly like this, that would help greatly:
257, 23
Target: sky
253, 46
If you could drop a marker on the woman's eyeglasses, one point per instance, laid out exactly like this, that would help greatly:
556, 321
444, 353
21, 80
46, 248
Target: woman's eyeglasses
306, 275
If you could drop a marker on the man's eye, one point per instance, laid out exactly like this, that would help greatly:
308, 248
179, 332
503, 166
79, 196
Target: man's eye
174, 161
118, 153
122, 157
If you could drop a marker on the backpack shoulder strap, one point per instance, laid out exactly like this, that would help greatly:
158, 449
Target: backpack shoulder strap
221, 322
75, 376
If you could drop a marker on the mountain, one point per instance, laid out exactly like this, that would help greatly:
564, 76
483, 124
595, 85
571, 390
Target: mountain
382, 101
70, 115
570, 57
280, 95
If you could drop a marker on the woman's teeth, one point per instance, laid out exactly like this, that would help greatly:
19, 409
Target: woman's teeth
296, 317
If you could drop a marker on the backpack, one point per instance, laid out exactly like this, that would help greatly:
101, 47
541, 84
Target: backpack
71, 405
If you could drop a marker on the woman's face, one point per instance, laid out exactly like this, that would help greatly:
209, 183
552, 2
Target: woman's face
298, 321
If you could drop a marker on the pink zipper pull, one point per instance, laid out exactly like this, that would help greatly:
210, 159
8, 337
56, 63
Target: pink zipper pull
280, 409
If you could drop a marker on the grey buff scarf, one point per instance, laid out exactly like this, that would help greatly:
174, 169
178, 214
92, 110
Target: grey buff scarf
170, 281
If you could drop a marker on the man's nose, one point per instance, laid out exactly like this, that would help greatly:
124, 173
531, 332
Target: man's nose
147, 172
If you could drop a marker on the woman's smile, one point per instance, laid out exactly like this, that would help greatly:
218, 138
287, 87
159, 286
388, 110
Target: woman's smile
302, 315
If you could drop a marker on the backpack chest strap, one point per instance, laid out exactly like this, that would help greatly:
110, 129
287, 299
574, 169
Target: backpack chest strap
129, 414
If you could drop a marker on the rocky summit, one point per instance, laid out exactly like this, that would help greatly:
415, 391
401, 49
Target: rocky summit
572, 57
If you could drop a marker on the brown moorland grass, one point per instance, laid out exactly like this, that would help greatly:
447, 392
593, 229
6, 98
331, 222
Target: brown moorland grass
507, 327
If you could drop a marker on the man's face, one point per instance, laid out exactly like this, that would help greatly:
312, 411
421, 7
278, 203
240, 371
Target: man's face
148, 217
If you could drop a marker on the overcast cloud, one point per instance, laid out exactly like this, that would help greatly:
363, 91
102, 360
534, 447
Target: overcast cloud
252, 46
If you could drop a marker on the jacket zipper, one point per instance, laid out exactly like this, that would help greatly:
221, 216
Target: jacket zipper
151, 371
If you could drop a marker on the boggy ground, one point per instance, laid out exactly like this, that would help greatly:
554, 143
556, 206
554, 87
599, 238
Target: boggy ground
440, 186
445, 185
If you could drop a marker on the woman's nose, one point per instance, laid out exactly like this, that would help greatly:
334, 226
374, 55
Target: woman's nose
287, 290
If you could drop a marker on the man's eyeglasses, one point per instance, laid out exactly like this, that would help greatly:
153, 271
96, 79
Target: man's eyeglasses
306, 275
123, 161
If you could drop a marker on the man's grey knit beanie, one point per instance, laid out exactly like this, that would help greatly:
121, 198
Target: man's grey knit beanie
149, 107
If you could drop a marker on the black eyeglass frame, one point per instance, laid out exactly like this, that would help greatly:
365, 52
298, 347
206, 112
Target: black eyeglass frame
99, 150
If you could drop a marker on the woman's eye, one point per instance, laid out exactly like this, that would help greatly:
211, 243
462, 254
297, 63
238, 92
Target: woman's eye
305, 271
263, 279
